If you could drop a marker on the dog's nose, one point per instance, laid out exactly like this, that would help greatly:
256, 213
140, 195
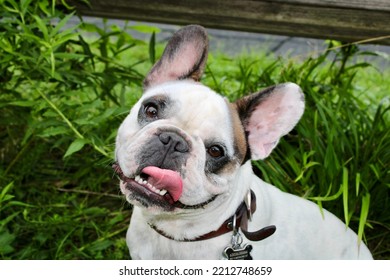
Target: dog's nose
175, 141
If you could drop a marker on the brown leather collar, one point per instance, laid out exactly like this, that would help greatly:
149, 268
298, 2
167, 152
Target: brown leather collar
242, 216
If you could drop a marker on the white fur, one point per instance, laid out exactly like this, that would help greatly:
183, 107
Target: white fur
302, 232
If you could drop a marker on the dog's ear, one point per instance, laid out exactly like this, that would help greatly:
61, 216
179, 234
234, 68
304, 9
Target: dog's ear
269, 115
184, 57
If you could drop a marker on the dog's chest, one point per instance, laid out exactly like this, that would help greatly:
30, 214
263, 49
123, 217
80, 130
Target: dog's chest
145, 243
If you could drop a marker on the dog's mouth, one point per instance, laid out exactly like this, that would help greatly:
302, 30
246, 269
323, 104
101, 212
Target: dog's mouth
153, 185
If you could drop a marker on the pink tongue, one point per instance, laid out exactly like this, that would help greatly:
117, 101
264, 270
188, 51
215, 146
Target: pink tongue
165, 179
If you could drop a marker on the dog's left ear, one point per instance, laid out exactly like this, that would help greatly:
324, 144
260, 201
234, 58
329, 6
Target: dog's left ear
184, 57
269, 115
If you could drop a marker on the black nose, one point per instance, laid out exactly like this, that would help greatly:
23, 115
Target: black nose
174, 141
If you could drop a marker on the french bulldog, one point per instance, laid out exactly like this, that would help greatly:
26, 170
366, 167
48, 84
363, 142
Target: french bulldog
183, 156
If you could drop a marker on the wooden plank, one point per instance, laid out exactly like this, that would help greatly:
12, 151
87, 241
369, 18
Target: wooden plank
379, 5
348, 21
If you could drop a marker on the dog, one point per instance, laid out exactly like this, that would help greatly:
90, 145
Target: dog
183, 156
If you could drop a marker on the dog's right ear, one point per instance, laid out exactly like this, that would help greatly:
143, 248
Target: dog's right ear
268, 115
184, 57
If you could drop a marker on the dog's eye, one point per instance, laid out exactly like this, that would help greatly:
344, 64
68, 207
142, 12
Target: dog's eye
215, 151
151, 111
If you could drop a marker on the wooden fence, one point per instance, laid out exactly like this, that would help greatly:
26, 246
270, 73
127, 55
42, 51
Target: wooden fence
344, 20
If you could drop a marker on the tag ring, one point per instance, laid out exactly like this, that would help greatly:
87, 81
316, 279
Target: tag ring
234, 224
237, 239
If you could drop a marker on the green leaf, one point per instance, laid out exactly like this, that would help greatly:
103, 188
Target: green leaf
42, 27
3, 194
357, 183
152, 48
6, 240
9, 218
61, 24
19, 203
116, 219
62, 38
64, 2
24, 5
24, 103
52, 131
100, 245
326, 197
89, 27
76, 146
44, 7
145, 28
363, 215
13, 4
345, 195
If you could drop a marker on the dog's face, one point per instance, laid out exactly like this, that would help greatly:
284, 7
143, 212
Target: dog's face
187, 128
182, 144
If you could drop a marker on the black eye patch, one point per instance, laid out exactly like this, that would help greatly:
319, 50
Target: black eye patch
214, 166
216, 157
153, 108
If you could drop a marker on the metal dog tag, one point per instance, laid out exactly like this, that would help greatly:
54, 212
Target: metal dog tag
236, 251
239, 253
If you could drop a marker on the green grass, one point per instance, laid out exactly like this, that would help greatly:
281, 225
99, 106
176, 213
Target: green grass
64, 92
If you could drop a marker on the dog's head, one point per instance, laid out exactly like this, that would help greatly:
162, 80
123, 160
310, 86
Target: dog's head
182, 145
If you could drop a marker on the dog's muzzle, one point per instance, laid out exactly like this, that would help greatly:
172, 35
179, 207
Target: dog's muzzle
166, 150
